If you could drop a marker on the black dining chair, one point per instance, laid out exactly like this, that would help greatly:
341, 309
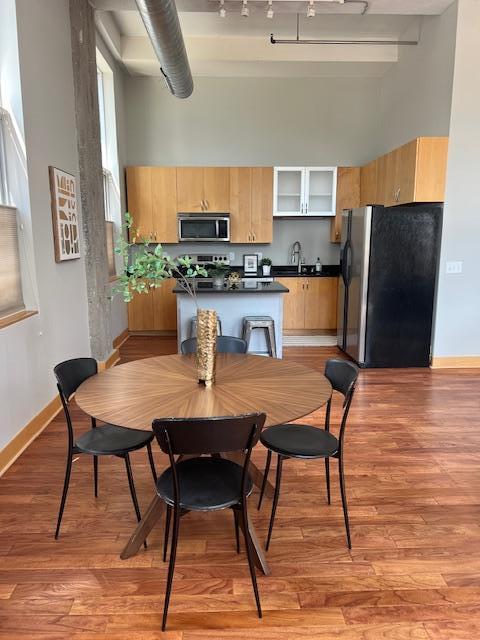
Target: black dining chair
195, 483
104, 440
307, 442
225, 344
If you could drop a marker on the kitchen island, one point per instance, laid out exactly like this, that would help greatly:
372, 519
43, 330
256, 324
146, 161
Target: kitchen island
232, 305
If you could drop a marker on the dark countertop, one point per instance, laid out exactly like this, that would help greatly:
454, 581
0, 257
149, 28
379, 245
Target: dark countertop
291, 271
260, 287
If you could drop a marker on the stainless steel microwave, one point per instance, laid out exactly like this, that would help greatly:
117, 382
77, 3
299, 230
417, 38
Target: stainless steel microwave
197, 227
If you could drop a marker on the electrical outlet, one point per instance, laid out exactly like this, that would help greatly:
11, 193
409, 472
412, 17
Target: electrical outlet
231, 256
454, 267
260, 255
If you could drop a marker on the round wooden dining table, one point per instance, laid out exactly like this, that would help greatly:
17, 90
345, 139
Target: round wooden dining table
134, 394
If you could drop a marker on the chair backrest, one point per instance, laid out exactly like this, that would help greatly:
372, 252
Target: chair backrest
71, 373
198, 436
177, 436
225, 344
342, 375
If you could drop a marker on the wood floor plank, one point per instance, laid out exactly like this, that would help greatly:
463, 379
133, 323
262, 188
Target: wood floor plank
414, 504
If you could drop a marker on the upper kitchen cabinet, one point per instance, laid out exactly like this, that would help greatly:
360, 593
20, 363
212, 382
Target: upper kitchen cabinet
152, 202
251, 190
348, 197
203, 189
368, 184
304, 191
415, 172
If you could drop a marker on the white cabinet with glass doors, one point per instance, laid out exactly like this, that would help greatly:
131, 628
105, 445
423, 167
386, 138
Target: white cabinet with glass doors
304, 191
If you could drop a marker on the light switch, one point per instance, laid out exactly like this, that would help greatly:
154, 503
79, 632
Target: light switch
231, 256
454, 267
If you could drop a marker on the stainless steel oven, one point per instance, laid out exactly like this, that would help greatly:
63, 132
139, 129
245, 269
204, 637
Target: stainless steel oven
196, 227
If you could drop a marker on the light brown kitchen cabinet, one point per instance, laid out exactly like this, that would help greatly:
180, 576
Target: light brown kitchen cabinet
152, 201
139, 196
414, 172
251, 193
311, 303
203, 189
368, 184
348, 197
154, 311
321, 303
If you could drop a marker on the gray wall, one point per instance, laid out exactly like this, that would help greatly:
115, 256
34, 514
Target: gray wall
254, 121
46, 129
416, 92
457, 329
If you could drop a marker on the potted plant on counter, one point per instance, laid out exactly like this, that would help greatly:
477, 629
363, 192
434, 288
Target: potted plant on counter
146, 266
218, 274
266, 264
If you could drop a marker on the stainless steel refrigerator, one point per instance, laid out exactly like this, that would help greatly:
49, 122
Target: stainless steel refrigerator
388, 264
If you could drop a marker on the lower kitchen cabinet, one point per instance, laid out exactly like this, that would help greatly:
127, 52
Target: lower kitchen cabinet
154, 311
310, 304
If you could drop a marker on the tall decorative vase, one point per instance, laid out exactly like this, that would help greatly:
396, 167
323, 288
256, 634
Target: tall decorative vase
206, 345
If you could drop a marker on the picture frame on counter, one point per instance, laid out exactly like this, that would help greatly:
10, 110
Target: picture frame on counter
250, 264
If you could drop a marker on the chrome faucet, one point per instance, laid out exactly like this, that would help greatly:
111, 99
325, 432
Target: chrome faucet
297, 255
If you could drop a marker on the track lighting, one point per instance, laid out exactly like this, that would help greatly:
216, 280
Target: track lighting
311, 9
245, 10
270, 9
221, 11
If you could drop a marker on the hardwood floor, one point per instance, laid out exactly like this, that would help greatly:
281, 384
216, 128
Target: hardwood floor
413, 483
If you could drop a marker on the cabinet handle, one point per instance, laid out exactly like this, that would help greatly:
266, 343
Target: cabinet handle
306, 208
206, 205
301, 208
253, 236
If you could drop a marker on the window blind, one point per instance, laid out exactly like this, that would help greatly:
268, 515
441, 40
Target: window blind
110, 249
11, 295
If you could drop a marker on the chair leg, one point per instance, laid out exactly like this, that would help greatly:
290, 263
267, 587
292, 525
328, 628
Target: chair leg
265, 476
327, 474
237, 535
344, 499
66, 483
152, 463
251, 565
171, 566
167, 532
275, 499
95, 475
133, 493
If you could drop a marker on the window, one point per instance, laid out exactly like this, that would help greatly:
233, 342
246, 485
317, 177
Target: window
4, 197
11, 295
110, 248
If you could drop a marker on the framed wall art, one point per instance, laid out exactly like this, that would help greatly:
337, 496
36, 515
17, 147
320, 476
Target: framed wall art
66, 231
250, 264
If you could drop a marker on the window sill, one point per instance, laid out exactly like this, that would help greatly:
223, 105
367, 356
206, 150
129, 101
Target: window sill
15, 317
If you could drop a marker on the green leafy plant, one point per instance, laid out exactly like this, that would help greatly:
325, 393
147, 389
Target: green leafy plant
145, 268
266, 262
219, 270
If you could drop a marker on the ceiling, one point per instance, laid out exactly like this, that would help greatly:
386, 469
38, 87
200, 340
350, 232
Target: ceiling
239, 46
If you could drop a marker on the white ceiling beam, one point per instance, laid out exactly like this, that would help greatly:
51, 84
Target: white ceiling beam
233, 49
109, 32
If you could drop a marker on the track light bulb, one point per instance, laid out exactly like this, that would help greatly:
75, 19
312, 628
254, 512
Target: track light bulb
245, 10
221, 12
270, 10
311, 9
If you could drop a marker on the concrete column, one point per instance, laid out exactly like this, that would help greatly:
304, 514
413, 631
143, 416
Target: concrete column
91, 186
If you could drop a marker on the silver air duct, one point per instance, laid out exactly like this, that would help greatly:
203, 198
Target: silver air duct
160, 18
